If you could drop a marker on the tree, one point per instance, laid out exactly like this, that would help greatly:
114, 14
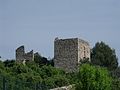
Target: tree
9, 63
51, 62
93, 78
116, 73
104, 56
116, 84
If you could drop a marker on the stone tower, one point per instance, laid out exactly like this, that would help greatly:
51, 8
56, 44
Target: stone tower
22, 56
20, 53
69, 52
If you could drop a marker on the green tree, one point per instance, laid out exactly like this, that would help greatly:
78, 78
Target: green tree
93, 78
9, 63
116, 73
116, 84
2, 65
104, 56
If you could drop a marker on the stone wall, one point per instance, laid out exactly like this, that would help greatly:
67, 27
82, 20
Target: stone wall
20, 52
22, 56
83, 50
29, 55
68, 53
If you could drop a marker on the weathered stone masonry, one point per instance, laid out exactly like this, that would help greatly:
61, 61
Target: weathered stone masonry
69, 52
22, 56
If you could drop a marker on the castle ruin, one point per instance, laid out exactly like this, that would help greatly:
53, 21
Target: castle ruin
21, 56
69, 52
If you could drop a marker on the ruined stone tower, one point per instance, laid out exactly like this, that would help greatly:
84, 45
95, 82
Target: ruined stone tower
22, 56
20, 53
69, 52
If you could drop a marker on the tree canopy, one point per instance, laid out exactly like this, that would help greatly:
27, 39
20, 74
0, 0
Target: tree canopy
93, 78
102, 73
104, 55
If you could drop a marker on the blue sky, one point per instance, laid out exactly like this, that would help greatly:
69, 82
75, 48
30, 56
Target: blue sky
36, 23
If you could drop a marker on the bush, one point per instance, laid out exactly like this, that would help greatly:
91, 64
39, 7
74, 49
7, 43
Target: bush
93, 78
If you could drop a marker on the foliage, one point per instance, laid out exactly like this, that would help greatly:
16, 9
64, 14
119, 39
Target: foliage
116, 73
104, 56
9, 63
93, 78
31, 76
41, 75
116, 84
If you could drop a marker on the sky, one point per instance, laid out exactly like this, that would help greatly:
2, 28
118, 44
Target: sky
36, 23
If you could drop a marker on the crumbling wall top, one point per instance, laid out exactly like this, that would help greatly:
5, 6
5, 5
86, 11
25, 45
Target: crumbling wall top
21, 48
80, 40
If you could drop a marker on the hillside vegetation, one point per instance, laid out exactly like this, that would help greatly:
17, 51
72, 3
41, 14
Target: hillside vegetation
102, 73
